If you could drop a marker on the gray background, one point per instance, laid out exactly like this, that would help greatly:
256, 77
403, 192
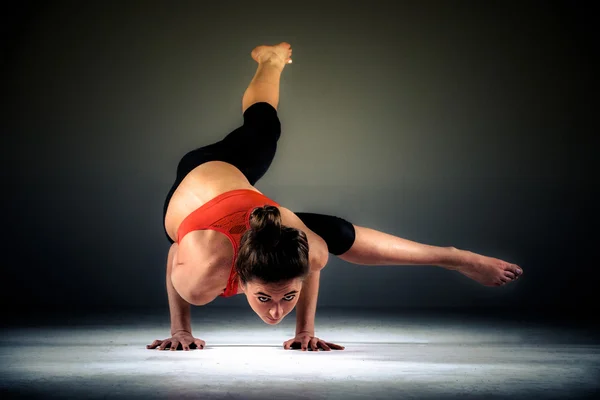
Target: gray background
465, 124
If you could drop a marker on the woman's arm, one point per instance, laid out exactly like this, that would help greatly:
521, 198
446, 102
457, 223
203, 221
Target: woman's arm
178, 307
193, 273
305, 317
306, 307
318, 255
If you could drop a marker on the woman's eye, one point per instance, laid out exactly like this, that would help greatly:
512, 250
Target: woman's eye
265, 299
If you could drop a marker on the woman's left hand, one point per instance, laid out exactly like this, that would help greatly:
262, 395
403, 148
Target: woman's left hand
305, 340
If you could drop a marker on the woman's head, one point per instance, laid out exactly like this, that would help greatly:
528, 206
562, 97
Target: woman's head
271, 264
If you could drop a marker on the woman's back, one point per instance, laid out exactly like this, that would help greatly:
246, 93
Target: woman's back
203, 184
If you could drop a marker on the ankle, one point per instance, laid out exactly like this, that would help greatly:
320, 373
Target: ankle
453, 258
272, 59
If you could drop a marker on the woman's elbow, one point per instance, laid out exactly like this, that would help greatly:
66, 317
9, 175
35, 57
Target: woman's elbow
319, 260
196, 298
188, 287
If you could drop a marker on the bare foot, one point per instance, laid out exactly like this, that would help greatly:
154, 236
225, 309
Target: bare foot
487, 270
281, 53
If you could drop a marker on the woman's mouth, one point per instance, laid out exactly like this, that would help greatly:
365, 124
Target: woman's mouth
272, 320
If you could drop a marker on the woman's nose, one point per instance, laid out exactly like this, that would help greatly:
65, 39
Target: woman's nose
275, 312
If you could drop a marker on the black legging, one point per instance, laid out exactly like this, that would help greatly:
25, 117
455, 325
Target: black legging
251, 148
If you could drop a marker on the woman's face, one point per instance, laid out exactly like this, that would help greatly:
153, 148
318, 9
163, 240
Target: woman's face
273, 301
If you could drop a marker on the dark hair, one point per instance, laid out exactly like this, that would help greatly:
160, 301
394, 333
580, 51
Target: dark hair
271, 252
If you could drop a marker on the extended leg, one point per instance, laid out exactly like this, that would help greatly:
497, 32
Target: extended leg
373, 247
367, 246
264, 87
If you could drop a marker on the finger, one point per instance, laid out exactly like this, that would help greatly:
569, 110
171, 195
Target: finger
199, 343
174, 345
335, 346
293, 344
287, 344
164, 344
154, 344
324, 345
314, 344
305, 344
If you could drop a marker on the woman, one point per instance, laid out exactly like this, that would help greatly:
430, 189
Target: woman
228, 238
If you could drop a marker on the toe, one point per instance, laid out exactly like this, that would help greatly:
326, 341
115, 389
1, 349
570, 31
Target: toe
515, 269
510, 275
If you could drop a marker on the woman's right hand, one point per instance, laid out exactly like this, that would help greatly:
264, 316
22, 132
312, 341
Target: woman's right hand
180, 340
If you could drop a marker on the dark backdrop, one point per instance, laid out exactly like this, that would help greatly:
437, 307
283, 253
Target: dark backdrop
466, 124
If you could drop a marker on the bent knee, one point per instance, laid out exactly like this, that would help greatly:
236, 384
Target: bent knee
200, 300
190, 287
338, 233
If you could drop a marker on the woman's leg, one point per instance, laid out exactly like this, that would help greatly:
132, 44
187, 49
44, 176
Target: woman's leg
264, 87
365, 246
252, 147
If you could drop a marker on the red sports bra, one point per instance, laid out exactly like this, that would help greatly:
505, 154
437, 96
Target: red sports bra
227, 213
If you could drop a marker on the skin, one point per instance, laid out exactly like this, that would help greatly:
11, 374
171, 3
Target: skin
271, 301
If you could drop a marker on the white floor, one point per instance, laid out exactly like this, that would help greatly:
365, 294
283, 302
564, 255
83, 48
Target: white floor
387, 356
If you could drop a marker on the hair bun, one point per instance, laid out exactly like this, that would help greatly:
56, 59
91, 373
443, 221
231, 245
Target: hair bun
265, 222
